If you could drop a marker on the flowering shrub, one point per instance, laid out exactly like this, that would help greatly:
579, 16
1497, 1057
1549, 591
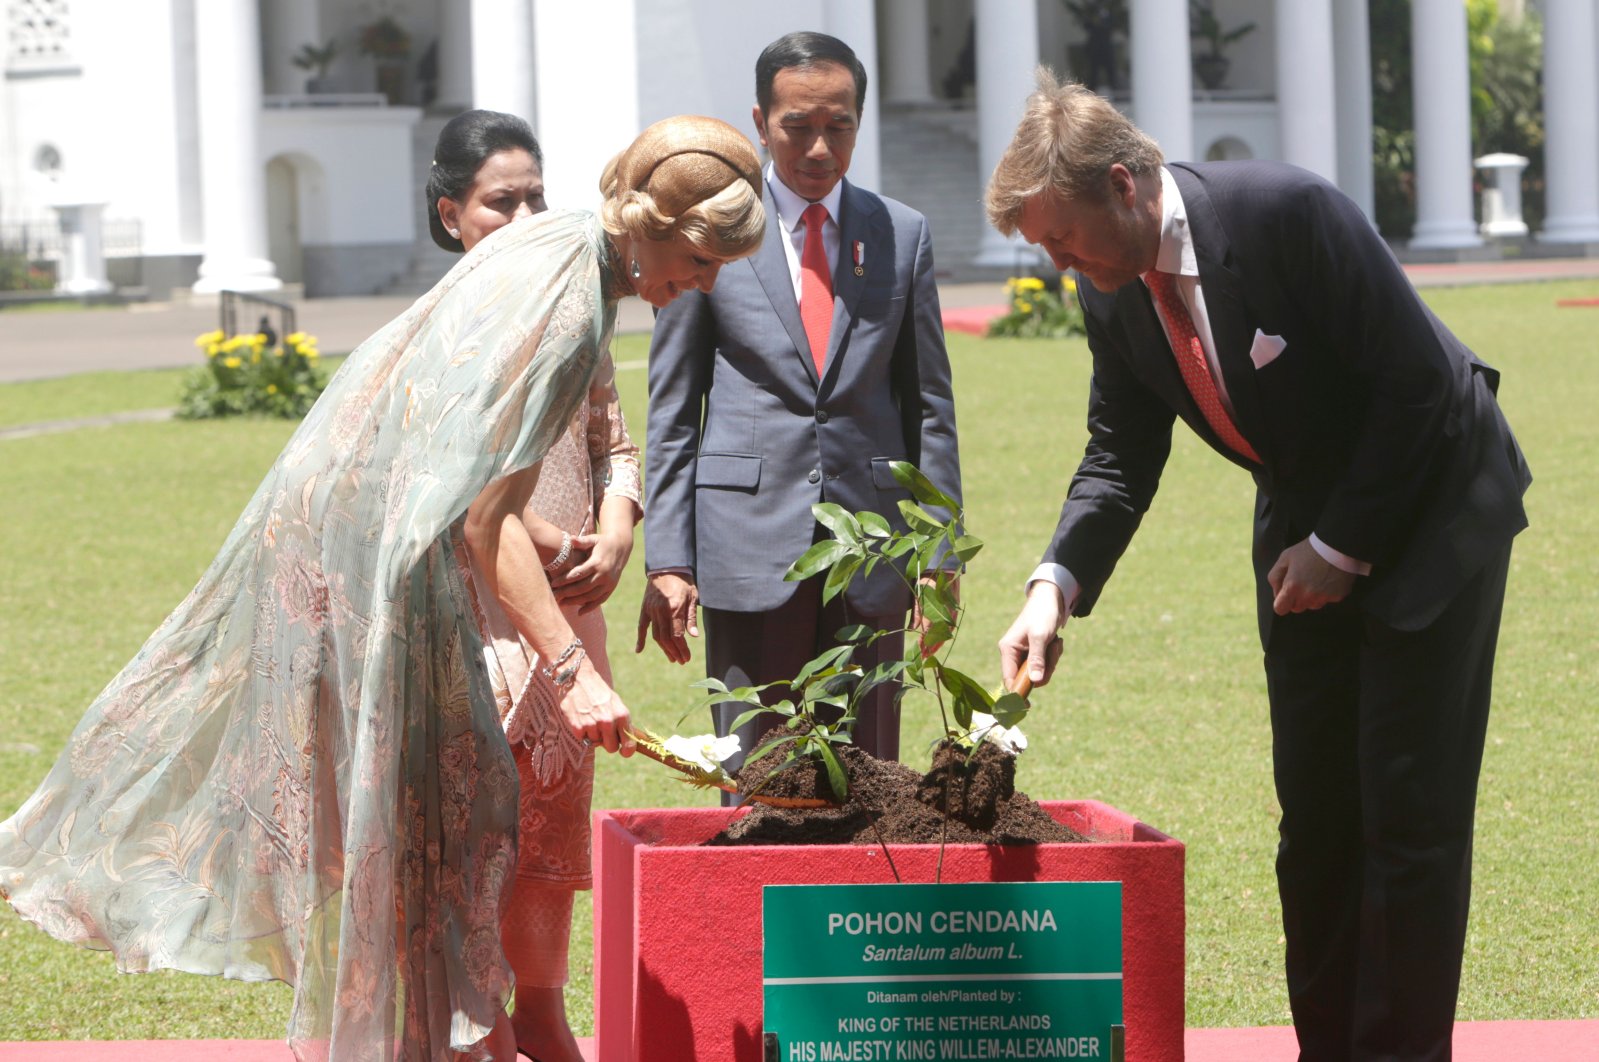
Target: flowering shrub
1037, 312
241, 376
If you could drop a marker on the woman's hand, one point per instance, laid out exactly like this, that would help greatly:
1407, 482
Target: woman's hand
591, 582
595, 713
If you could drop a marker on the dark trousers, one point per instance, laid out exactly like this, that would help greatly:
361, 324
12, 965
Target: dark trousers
1377, 744
753, 648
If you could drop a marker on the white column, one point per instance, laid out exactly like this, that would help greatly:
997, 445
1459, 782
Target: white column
1007, 52
907, 68
455, 56
1162, 74
83, 249
1352, 60
289, 25
503, 66
578, 140
855, 23
1442, 80
1306, 113
1571, 122
233, 174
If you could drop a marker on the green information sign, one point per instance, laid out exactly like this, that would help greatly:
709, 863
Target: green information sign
869, 973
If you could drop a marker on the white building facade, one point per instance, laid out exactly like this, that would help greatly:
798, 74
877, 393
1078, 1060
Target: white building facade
190, 123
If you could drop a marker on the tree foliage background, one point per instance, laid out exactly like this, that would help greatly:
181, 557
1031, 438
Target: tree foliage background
1506, 58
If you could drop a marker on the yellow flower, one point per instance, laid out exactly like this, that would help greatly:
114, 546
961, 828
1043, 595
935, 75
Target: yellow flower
272, 389
233, 344
1025, 307
213, 350
1067, 284
1031, 284
232, 362
294, 339
208, 339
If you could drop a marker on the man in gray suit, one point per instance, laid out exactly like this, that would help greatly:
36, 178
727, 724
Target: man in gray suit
809, 368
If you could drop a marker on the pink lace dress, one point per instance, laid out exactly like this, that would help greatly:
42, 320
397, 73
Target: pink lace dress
593, 460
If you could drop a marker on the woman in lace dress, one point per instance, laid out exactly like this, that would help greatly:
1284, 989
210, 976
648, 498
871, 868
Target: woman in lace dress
488, 171
303, 774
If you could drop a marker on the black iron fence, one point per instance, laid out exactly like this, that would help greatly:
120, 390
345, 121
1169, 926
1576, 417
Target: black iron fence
248, 314
30, 251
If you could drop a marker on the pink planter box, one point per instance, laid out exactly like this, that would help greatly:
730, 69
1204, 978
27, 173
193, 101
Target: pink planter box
677, 926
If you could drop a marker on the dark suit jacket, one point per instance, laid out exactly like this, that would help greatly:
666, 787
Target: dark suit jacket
1377, 428
744, 437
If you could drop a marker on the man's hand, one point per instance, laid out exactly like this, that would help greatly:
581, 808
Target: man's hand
1033, 640
1302, 581
669, 611
591, 582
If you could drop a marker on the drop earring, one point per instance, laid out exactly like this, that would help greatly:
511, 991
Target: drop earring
634, 271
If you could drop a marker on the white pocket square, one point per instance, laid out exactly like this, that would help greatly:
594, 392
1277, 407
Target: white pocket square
1264, 350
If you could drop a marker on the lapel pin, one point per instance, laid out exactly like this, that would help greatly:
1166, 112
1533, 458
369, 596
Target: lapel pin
860, 258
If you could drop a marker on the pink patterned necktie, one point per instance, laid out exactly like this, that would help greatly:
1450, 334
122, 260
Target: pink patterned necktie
1192, 364
816, 286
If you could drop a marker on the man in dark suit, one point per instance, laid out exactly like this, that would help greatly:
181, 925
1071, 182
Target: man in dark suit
1254, 301
810, 367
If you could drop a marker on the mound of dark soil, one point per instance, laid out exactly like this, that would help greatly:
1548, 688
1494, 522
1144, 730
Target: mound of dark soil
969, 797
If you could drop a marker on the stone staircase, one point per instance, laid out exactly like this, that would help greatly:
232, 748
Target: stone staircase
428, 261
929, 163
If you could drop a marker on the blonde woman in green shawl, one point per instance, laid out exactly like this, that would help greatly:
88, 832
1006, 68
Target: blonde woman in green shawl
303, 776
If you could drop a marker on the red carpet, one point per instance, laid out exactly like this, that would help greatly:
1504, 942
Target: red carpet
973, 320
1475, 1041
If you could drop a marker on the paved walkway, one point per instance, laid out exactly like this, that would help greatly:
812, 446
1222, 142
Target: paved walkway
1479, 1041
41, 343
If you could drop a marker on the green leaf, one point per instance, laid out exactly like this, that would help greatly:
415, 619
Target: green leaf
966, 547
826, 661
822, 555
834, 517
715, 685
902, 545
887, 671
920, 519
911, 478
1009, 709
755, 713
855, 634
835, 772
838, 578
874, 525
938, 603
966, 694
762, 751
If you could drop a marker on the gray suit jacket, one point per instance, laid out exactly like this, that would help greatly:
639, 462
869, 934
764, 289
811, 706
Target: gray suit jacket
744, 437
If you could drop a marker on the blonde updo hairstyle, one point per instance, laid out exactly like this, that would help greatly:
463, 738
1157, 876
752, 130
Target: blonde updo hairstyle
689, 176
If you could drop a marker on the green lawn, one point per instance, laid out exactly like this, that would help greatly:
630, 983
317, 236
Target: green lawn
1159, 709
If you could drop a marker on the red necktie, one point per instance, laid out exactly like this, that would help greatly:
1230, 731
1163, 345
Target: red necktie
1192, 364
816, 286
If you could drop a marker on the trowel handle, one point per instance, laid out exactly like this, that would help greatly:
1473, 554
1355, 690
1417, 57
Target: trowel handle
1022, 684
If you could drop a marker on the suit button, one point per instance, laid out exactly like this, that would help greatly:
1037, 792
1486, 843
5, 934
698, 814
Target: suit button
821, 416
815, 476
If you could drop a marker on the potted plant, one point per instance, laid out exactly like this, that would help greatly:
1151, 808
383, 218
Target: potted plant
312, 58
389, 43
1211, 63
658, 998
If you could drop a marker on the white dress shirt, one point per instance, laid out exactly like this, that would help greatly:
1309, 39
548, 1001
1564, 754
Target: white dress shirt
1176, 256
790, 210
